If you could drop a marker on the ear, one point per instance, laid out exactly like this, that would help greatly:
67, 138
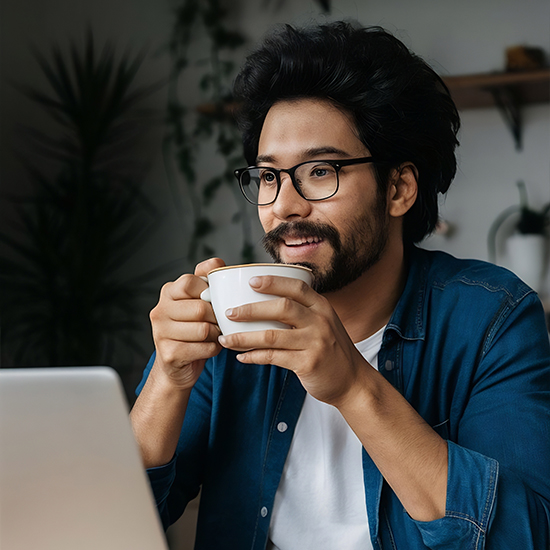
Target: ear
402, 189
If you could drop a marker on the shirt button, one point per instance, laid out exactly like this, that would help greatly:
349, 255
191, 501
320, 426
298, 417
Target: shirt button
282, 427
388, 365
263, 511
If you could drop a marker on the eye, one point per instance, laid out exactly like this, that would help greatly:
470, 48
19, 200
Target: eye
267, 178
321, 171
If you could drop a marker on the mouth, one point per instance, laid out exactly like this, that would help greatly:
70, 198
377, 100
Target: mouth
300, 247
294, 241
300, 241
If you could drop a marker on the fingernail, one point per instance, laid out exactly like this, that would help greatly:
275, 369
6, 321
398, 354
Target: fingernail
222, 340
229, 312
255, 281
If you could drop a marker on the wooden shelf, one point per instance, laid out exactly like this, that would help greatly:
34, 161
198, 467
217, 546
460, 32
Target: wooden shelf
509, 92
477, 90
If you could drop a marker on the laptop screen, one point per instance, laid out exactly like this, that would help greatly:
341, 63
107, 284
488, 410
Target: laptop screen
71, 477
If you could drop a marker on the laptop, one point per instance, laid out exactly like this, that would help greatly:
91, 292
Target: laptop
71, 477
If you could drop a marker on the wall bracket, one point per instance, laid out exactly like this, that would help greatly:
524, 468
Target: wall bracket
508, 103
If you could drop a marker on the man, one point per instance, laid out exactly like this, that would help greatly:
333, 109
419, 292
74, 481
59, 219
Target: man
409, 405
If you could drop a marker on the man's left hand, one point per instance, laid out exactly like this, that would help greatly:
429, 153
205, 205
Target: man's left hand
316, 347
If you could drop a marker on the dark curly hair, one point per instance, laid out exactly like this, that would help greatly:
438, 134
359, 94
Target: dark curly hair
402, 110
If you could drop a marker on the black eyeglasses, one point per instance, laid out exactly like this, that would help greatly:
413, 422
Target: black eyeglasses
314, 180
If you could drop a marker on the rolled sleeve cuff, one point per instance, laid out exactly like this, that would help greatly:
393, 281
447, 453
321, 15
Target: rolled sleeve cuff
471, 495
161, 479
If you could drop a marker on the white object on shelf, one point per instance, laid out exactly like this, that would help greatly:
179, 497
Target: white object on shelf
526, 255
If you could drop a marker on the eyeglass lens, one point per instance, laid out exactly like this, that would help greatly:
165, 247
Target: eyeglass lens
316, 181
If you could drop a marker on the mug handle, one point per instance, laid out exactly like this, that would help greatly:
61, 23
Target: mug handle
205, 294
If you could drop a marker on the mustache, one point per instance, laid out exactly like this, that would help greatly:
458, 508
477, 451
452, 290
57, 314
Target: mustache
300, 228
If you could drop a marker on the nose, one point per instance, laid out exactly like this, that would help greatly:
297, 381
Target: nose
290, 204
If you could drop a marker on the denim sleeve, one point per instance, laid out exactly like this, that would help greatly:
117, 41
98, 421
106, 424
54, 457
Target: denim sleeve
161, 479
498, 490
175, 484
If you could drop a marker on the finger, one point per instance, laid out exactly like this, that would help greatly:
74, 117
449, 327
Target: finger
177, 353
188, 332
287, 339
191, 310
186, 287
279, 358
285, 310
190, 286
285, 286
205, 267
182, 310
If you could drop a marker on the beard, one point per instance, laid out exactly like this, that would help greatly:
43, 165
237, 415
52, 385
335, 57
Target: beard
352, 256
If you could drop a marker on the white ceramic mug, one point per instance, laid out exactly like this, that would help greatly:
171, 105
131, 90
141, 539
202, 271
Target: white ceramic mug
229, 287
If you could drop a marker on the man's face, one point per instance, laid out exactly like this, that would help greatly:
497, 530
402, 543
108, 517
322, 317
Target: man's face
338, 238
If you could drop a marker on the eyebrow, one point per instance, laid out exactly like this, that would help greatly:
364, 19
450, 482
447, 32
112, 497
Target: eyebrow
308, 153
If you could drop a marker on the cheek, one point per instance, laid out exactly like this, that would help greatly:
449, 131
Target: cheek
265, 219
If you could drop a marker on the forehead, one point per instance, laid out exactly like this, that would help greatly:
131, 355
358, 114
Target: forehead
300, 129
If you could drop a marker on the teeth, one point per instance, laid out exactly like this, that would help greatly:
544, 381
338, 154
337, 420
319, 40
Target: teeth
297, 241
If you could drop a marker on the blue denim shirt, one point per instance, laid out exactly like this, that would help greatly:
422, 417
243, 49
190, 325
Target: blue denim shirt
467, 346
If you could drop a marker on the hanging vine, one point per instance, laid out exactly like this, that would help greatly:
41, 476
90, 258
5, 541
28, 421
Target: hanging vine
189, 128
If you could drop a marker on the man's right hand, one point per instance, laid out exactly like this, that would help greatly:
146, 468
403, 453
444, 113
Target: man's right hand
185, 334
184, 328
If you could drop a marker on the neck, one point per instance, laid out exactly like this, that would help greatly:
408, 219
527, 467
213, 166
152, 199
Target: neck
367, 304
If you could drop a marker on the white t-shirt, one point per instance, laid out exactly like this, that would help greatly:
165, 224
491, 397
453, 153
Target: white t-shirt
320, 501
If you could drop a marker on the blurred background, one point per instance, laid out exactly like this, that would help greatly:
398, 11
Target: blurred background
117, 151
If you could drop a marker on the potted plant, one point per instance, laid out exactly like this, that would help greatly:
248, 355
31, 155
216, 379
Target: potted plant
526, 243
66, 296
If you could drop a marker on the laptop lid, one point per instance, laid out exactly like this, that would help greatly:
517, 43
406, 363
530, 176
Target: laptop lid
71, 477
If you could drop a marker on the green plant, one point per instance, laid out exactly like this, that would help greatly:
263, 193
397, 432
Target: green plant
65, 299
529, 221
189, 128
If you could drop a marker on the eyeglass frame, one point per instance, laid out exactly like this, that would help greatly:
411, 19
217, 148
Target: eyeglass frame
336, 164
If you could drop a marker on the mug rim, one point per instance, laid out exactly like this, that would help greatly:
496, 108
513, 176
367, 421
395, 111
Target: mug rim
260, 264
